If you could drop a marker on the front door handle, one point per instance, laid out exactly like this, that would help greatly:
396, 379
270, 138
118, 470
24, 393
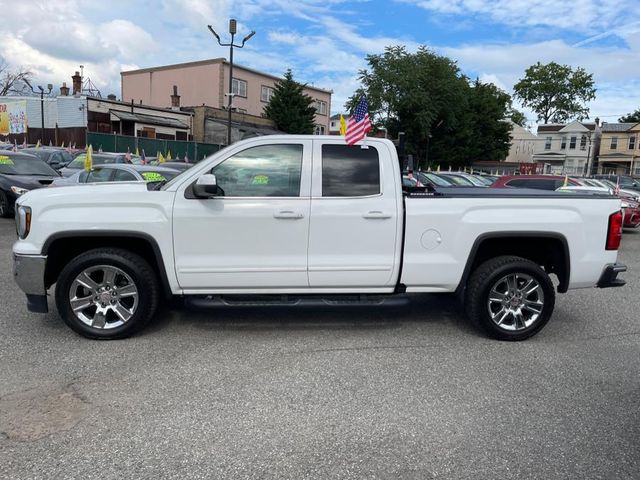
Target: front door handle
288, 214
376, 214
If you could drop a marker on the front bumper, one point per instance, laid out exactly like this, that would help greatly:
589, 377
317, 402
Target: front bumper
28, 273
609, 276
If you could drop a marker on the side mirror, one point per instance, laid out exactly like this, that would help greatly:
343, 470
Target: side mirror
206, 186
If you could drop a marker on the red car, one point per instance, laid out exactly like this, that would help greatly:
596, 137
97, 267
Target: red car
538, 182
630, 204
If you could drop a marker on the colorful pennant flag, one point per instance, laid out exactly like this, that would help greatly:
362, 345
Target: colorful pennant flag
88, 160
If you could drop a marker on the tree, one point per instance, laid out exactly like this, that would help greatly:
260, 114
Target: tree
14, 82
290, 108
633, 117
556, 92
518, 117
425, 95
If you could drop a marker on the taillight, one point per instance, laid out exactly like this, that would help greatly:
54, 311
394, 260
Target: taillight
614, 233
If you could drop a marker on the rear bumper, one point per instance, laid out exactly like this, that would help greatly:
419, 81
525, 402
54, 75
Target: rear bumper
28, 273
609, 276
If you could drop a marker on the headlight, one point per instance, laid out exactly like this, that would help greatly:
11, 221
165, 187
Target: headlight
23, 221
19, 190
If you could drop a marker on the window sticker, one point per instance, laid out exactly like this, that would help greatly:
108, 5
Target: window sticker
152, 176
4, 160
260, 180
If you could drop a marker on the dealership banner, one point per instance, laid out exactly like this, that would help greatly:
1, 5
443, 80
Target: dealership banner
13, 117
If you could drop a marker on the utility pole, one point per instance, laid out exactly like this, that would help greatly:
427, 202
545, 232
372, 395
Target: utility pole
233, 28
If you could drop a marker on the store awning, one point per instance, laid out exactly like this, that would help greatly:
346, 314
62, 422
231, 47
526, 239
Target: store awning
150, 119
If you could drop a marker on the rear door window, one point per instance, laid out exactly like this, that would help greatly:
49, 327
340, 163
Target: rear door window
123, 176
100, 175
350, 171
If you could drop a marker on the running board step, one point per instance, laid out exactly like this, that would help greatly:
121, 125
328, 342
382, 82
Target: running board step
209, 301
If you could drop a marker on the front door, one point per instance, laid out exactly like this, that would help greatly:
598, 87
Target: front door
256, 235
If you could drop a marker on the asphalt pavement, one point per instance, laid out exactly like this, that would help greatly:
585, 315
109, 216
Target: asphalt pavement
403, 392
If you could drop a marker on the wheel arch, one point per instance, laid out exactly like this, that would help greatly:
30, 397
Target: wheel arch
63, 246
548, 249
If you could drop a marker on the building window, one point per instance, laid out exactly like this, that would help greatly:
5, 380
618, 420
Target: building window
572, 143
614, 143
321, 107
319, 130
266, 93
583, 142
239, 87
563, 144
632, 143
547, 143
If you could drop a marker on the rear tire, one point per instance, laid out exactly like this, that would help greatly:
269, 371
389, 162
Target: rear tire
510, 298
107, 293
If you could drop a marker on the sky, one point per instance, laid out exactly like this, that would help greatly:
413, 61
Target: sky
325, 42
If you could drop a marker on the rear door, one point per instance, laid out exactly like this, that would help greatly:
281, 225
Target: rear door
355, 229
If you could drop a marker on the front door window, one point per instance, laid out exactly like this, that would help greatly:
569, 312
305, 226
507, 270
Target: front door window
264, 171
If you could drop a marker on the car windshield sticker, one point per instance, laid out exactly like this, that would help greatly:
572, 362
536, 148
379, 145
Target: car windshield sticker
152, 177
4, 160
260, 180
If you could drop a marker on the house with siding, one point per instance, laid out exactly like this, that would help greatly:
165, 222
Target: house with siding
619, 151
567, 148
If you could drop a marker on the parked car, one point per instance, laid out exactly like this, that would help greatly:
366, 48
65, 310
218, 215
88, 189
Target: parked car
255, 219
630, 202
428, 178
624, 181
97, 159
20, 173
119, 172
455, 179
537, 182
56, 158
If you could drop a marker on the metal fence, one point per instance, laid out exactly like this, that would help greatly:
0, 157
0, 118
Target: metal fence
195, 151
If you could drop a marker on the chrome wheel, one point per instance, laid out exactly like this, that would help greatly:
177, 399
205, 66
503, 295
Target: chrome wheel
515, 301
103, 297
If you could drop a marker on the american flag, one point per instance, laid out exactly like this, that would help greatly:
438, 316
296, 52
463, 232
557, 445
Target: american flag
359, 123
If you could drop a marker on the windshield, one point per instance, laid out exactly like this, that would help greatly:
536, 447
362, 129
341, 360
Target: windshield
23, 165
439, 181
461, 181
158, 175
96, 159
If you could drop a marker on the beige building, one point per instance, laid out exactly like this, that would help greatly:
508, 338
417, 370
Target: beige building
206, 82
566, 148
523, 145
619, 149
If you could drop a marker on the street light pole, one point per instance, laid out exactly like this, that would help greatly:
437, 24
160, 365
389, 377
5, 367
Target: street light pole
49, 87
232, 30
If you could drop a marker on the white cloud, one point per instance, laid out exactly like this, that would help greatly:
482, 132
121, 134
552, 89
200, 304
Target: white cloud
586, 15
289, 38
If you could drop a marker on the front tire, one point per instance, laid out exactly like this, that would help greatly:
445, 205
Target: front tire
107, 293
5, 209
510, 298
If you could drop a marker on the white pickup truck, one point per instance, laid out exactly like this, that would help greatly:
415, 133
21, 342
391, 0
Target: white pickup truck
297, 219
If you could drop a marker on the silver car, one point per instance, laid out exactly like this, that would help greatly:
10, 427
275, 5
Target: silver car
118, 172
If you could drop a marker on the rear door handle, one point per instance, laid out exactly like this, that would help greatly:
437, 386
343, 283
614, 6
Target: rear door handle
376, 214
288, 214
